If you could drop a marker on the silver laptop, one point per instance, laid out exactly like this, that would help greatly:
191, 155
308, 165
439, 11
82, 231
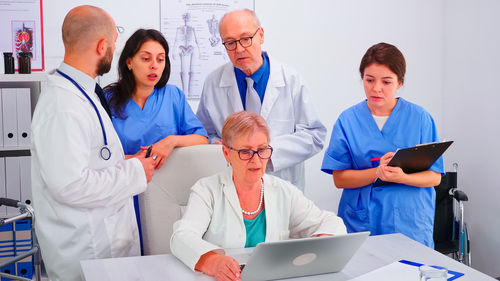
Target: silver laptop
301, 257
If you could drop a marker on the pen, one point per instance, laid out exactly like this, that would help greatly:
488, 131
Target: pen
375, 159
148, 152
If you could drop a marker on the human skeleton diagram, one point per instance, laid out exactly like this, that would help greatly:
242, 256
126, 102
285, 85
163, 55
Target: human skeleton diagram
213, 24
184, 46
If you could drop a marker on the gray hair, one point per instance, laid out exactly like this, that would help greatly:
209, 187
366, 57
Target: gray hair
243, 123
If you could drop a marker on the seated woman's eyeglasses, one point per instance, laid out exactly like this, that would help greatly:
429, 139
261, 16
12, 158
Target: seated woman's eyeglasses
245, 42
247, 154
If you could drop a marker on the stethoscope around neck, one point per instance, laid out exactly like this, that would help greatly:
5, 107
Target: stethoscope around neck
105, 152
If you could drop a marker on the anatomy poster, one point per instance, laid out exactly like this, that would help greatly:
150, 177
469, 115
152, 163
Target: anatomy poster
192, 32
21, 30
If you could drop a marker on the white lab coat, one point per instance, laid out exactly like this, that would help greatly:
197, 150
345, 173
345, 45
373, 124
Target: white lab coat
296, 132
83, 204
213, 219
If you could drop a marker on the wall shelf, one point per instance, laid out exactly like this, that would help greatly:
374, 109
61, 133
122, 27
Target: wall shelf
32, 77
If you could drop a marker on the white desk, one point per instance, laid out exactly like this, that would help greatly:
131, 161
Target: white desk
376, 252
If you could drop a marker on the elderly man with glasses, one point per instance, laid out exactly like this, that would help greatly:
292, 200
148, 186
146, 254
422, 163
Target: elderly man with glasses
255, 82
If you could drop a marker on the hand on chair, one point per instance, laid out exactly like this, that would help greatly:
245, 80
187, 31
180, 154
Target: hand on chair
160, 151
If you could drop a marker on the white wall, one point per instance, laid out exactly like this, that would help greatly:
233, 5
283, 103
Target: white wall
126, 13
451, 48
471, 117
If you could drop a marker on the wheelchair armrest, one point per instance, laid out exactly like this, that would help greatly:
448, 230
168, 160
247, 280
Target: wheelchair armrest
460, 195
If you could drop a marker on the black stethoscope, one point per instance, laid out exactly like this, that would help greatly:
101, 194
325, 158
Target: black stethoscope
105, 152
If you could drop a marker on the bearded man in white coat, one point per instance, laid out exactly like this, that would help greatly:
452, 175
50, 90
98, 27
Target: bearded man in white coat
82, 184
256, 82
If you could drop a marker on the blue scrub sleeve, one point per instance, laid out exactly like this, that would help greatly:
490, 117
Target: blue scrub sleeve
337, 155
429, 134
189, 123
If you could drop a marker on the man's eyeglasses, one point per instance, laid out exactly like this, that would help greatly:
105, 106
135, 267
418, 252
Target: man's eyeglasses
247, 154
245, 42
120, 29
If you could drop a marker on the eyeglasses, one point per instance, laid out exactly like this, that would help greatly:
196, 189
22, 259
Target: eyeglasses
247, 154
120, 29
245, 42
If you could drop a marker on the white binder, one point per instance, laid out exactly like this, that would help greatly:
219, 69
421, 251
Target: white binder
3, 209
25, 176
13, 182
23, 117
9, 114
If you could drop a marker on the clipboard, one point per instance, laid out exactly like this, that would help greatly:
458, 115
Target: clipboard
416, 159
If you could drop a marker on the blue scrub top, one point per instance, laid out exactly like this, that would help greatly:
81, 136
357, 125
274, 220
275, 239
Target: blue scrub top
395, 208
166, 112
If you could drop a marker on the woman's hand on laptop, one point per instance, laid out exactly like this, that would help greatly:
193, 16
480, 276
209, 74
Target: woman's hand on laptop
223, 268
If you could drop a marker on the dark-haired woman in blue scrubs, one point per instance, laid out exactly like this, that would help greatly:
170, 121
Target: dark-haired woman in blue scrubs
363, 141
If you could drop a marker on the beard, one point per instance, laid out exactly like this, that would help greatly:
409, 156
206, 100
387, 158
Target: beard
104, 64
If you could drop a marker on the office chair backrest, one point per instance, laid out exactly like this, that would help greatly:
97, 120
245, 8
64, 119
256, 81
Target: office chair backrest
168, 192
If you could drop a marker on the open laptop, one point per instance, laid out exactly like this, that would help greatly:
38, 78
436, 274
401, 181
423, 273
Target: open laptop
301, 257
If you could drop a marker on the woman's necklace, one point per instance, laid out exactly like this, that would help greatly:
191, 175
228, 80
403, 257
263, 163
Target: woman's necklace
260, 202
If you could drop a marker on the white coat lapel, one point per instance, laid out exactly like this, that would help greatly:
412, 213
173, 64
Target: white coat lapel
270, 205
230, 87
230, 193
273, 89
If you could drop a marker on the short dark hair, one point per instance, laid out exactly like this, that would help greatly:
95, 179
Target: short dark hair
122, 90
385, 54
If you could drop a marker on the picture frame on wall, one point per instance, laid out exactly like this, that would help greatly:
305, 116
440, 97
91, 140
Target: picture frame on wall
21, 30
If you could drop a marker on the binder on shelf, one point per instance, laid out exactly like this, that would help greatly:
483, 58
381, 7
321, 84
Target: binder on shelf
23, 103
22, 243
12, 182
25, 177
3, 209
1, 119
7, 249
9, 116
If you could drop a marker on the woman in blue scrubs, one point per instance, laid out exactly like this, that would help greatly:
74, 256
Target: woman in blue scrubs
363, 141
146, 110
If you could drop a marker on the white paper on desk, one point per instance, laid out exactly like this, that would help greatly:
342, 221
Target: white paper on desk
395, 271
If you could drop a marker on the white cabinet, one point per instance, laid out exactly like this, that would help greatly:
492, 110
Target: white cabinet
18, 96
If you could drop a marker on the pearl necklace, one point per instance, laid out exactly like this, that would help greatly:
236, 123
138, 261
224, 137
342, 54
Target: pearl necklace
260, 202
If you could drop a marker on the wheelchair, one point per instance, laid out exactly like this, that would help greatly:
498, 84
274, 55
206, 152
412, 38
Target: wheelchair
450, 229
26, 212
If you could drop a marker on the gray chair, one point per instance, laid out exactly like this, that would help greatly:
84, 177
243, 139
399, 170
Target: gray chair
167, 194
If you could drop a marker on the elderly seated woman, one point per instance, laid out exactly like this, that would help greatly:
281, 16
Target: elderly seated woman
243, 206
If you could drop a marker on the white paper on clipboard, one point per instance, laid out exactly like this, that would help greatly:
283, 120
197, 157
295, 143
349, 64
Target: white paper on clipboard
397, 271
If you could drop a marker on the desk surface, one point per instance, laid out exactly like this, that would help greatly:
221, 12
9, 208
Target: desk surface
376, 252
